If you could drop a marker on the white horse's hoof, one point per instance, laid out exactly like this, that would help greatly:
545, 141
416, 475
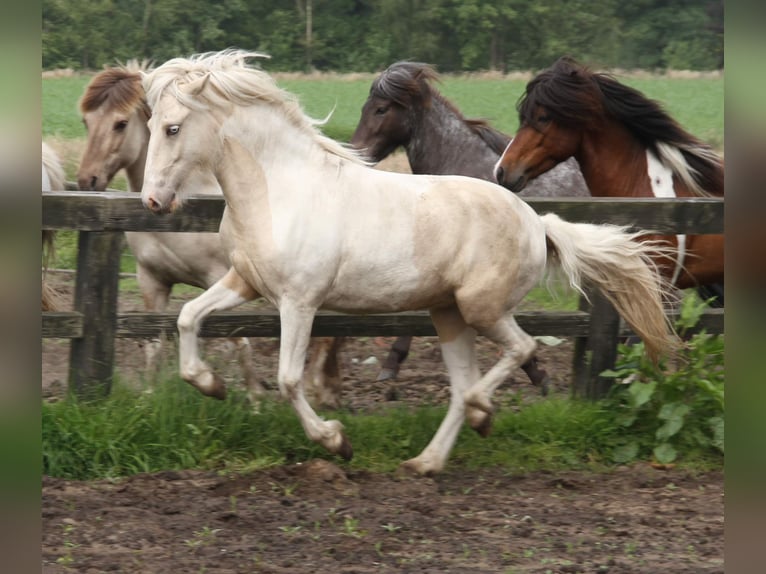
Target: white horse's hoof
479, 421
209, 384
417, 467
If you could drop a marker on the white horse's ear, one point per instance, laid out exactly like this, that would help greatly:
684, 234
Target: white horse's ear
195, 87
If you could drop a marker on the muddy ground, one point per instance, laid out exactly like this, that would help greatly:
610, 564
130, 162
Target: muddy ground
317, 516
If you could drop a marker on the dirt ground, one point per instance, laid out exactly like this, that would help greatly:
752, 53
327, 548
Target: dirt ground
316, 515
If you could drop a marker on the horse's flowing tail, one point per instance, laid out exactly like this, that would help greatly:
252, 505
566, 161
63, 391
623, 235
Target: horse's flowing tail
621, 266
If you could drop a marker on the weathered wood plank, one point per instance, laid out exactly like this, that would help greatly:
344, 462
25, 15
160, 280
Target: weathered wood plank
122, 211
91, 356
62, 325
139, 325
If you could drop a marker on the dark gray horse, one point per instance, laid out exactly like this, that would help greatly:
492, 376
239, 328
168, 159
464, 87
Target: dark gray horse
404, 109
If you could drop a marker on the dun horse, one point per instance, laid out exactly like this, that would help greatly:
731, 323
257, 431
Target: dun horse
626, 145
115, 113
308, 225
405, 109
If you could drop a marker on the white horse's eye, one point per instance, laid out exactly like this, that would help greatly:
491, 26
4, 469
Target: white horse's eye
173, 130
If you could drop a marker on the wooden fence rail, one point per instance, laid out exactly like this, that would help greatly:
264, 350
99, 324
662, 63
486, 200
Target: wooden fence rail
101, 218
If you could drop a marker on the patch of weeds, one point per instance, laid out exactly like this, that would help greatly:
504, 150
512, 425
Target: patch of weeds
676, 406
67, 559
351, 527
284, 489
204, 537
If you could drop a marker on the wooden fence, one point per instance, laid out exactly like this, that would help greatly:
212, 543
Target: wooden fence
95, 323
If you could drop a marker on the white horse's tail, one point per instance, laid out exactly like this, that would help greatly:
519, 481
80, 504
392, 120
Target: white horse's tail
621, 266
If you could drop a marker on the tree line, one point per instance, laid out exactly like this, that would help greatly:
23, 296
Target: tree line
368, 35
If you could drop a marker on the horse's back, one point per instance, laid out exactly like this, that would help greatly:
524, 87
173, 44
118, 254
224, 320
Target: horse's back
449, 233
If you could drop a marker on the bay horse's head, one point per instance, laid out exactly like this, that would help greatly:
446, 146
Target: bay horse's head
396, 95
557, 105
115, 113
568, 110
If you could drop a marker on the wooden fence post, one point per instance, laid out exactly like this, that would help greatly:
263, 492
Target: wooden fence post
599, 351
91, 357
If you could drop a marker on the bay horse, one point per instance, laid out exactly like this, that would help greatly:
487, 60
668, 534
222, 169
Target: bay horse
53, 179
405, 109
115, 112
627, 146
309, 225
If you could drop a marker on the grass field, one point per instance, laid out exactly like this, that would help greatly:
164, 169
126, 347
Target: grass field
697, 103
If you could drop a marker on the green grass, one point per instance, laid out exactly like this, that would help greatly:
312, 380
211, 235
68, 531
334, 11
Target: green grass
697, 103
174, 427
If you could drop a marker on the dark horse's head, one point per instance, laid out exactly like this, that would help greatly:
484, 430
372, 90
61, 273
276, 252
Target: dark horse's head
393, 114
566, 104
385, 123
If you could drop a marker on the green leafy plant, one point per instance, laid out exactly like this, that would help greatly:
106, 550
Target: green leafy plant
676, 406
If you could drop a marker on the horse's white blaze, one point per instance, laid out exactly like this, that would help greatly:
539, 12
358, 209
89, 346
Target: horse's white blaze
661, 180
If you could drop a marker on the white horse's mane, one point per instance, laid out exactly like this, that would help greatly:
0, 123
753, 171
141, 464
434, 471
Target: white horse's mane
230, 79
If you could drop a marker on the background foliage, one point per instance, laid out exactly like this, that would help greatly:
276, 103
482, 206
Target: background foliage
368, 35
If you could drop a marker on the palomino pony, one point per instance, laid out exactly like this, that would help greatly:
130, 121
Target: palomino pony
626, 145
405, 109
115, 113
53, 179
309, 225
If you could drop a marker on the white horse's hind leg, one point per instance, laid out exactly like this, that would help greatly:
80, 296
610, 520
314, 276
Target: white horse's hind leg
295, 336
457, 342
517, 346
231, 290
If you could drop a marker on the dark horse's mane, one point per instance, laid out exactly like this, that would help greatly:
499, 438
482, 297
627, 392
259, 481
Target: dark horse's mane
409, 84
575, 97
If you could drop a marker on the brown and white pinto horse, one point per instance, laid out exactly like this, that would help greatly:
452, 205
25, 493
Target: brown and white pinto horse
626, 145
115, 112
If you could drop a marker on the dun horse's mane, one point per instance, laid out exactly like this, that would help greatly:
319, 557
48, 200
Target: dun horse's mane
575, 97
411, 86
118, 87
226, 77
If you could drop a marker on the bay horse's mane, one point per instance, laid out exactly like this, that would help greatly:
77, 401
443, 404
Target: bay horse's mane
225, 77
118, 87
410, 85
575, 97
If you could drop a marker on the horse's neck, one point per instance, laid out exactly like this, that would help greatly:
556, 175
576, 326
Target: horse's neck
135, 171
614, 164
442, 144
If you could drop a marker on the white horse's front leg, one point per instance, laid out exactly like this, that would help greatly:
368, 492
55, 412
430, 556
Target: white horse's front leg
296, 332
231, 290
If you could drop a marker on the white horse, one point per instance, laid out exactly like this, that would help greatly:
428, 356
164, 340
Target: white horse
308, 225
53, 179
115, 113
